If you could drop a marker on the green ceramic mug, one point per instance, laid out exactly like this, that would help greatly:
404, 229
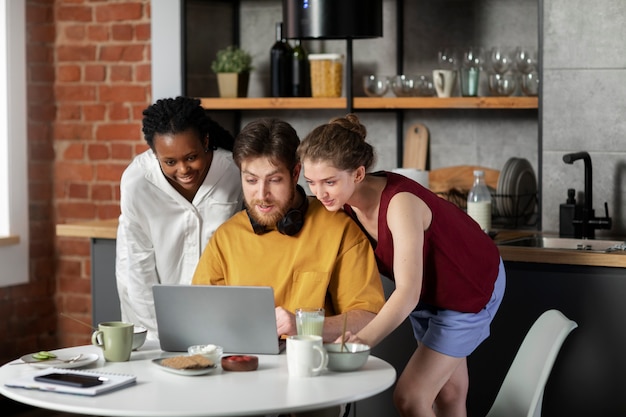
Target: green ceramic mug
116, 340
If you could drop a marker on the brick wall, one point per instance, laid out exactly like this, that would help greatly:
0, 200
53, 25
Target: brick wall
88, 82
102, 84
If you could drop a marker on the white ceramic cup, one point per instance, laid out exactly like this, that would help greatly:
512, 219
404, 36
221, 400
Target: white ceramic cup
417, 175
310, 321
444, 81
306, 356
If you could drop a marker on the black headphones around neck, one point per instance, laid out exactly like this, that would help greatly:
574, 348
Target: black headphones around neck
292, 221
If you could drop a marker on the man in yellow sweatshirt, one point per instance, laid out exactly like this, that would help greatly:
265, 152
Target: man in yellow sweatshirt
310, 256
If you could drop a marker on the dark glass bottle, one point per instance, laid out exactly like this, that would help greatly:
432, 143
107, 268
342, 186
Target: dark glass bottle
280, 65
300, 78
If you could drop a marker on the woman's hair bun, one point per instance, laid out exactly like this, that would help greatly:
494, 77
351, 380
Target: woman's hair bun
351, 123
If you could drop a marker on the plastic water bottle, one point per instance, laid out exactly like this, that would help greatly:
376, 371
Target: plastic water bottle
479, 201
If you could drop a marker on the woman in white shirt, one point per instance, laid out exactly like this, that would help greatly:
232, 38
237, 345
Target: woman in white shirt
173, 197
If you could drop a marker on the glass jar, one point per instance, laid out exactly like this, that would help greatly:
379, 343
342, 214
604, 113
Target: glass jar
326, 75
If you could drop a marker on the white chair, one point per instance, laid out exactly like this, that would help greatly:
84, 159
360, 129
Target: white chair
521, 393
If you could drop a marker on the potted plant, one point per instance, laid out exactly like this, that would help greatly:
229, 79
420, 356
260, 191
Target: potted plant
232, 66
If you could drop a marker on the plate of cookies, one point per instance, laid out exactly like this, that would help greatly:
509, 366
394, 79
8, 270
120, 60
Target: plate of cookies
190, 365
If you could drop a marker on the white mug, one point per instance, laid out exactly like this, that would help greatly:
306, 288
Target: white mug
444, 81
306, 356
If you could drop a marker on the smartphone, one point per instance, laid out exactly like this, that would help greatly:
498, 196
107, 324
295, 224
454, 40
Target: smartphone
73, 380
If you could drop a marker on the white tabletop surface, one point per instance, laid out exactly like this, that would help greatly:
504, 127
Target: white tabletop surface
157, 393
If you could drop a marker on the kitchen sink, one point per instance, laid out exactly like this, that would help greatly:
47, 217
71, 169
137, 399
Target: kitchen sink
591, 245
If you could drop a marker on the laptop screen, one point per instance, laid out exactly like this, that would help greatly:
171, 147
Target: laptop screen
241, 319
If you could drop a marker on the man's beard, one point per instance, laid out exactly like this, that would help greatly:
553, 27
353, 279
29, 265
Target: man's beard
272, 218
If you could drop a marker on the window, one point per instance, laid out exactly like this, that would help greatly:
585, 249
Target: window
13, 150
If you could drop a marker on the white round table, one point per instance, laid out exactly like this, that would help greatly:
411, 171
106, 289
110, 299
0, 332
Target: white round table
157, 393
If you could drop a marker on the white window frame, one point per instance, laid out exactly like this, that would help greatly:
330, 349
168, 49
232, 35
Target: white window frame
14, 227
167, 76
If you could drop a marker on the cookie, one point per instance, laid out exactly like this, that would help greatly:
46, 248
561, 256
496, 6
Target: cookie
187, 362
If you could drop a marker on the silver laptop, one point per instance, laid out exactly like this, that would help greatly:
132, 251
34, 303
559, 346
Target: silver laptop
241, 319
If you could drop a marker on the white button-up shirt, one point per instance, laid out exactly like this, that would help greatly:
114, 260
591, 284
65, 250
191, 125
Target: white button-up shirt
161, 235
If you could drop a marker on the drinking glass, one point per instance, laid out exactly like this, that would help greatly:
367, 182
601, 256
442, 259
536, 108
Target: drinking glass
530, 83
472, 57
500, 59
424, 86
447, 59
310, 321
470, 71
525, 59
502, 85
375, 85
403, 85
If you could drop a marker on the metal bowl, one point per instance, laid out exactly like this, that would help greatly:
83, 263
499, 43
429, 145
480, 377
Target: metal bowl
351, 358
139, 336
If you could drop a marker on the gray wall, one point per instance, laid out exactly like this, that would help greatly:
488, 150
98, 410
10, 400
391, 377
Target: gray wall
584, 104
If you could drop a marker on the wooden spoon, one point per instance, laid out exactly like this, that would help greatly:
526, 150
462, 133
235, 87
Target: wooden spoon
343, 332
78, 321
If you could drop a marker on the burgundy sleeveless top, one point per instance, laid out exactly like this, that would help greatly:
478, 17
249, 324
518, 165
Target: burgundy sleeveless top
461, 262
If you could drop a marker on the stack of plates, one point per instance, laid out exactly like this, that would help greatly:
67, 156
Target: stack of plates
517, 189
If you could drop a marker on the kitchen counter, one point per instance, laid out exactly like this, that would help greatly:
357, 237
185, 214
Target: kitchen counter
107, 229
555, 256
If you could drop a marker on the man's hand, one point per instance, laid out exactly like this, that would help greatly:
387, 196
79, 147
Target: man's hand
285, 322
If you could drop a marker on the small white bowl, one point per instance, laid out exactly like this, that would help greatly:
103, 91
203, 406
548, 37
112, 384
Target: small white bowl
352, 358
209, 351
139, 336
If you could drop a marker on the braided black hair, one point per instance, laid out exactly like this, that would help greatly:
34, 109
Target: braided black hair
176, 115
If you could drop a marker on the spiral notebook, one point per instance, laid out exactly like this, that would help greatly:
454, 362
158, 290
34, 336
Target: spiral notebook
110, 382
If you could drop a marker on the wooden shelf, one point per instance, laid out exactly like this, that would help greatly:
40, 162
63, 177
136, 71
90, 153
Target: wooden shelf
273, 103
370, 103
446, 103
9, 240
104, 229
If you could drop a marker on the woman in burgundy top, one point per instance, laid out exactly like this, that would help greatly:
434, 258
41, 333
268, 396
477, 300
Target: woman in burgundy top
449, 278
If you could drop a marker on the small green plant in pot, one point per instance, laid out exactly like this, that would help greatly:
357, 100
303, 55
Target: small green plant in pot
232, 66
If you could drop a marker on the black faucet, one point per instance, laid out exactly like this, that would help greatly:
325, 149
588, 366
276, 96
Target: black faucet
588, 222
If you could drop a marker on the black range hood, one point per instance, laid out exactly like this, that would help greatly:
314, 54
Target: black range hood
332, 19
